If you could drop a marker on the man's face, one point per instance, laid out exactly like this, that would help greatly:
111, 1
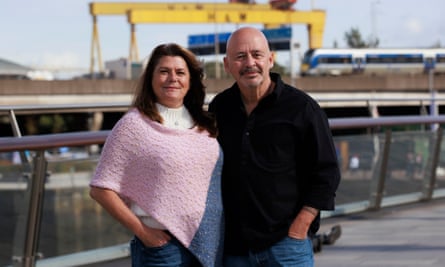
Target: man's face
248, 60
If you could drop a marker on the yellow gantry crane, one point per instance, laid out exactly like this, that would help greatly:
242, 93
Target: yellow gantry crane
169, 12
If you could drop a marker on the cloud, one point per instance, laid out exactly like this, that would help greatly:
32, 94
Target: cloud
58, 61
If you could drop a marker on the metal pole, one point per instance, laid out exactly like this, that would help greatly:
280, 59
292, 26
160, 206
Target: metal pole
433, 105
217, 52
16, 131
294, 50
378, 179
430, 180
32, 209
374, 19
293, 74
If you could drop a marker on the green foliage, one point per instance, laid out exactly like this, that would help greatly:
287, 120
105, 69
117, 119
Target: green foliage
354, 39
52, 124
282, 70
437, 44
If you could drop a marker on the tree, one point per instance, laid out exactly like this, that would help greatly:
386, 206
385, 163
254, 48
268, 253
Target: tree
436, 44
354, 40
373, 42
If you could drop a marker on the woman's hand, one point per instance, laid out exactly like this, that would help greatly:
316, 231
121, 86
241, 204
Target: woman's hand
152, 237
116, 207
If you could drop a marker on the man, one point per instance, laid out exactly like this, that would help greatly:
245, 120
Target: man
280, 165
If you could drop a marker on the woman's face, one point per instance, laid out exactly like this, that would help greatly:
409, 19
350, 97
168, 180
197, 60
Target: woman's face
171, 81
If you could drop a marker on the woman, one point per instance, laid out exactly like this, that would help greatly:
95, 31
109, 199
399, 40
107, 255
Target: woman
159, 172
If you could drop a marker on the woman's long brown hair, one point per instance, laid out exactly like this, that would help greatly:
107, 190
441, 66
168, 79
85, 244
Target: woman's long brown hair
145, 98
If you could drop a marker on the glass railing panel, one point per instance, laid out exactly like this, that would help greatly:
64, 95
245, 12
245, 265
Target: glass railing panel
357, 155
440, 171
13, 183
71, 220
409, 154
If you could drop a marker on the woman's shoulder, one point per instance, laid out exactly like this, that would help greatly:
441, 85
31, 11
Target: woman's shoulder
133, 115
132, 119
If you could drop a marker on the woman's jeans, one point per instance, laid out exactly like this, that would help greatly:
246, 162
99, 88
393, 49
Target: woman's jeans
172, 254
288, 252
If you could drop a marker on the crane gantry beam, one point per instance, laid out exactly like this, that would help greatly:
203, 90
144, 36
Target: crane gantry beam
138, 13
117, 8
314, 19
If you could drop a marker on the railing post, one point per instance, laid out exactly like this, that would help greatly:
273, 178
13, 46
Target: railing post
429, 181
379, 175
16, 131
28, 225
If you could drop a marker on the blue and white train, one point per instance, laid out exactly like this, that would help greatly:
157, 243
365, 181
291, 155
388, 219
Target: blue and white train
372, 61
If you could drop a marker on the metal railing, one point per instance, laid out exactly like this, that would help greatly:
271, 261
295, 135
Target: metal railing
26, 245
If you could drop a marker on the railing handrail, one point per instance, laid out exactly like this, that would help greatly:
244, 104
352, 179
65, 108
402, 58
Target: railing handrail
95, 106
46, 141
64, 107
365, 122
26, 251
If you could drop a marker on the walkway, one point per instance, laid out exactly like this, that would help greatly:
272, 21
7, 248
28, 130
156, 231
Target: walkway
402, 236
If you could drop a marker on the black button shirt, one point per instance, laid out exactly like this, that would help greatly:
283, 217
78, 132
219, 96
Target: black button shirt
276, 160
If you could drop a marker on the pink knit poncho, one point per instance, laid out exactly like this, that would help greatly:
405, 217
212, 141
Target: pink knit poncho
173, 175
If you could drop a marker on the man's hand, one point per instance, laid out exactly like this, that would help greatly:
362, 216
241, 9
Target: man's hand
300, 226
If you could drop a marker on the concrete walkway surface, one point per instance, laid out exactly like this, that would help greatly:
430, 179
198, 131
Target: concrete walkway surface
411, 235
402, 236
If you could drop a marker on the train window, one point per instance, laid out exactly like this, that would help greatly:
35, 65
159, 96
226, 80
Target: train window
410, 59
386, 59
335, 60
440, 58
308, 55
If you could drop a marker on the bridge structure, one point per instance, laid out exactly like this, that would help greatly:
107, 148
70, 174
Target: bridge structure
226, 13
347, 91
352, 96
391, 215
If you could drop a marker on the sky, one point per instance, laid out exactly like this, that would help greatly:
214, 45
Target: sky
57, 34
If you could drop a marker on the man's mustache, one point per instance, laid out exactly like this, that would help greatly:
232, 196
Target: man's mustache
245, 70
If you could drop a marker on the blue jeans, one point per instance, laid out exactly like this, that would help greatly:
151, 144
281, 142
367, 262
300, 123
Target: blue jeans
288, 252
172, 254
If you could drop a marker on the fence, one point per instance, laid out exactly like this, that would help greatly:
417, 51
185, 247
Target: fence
50, 219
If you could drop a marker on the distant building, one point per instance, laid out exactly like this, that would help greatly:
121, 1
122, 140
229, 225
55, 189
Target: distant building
12, 70
121, 69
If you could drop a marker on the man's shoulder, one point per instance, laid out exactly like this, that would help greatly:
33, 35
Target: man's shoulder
296, 99
292, 91
286, 88
224, 95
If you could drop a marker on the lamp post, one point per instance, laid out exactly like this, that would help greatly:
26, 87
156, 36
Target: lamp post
433, 106
294, 50
374, 18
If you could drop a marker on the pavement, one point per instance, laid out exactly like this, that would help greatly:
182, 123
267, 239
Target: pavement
406, 235
399, 236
